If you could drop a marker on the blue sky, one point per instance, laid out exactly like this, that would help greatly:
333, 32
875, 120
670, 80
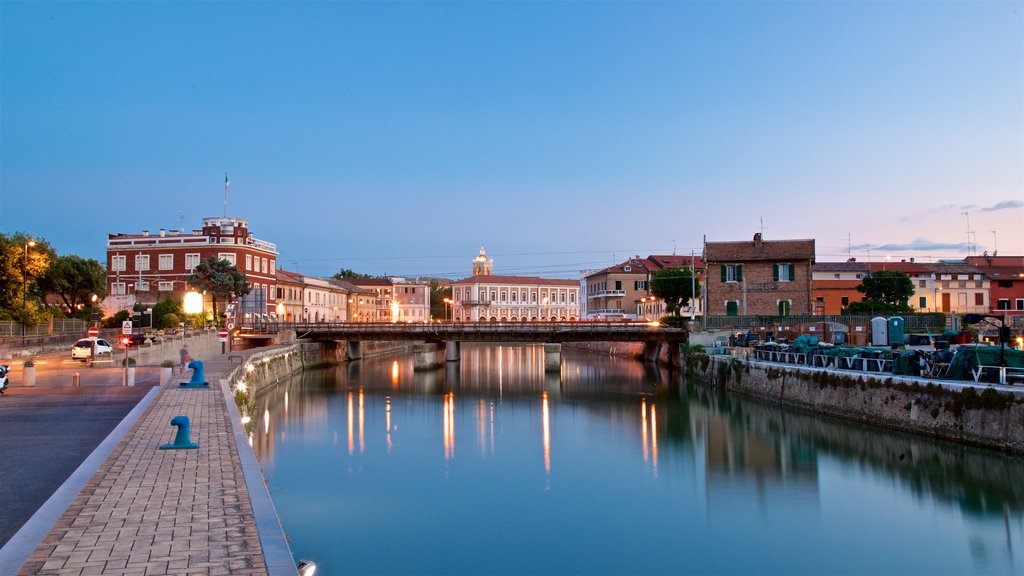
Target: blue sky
400, 137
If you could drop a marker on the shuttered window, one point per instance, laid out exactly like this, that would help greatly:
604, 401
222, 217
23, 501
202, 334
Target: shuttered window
783, 272
732, 273
732, 308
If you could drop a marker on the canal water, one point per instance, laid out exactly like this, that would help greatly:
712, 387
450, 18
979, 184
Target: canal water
491, 466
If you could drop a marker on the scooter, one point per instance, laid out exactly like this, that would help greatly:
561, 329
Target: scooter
4, 370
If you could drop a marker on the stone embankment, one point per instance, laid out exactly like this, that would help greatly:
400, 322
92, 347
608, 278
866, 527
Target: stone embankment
961, 412
981, 416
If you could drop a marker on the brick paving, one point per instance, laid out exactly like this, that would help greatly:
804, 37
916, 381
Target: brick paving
151, 511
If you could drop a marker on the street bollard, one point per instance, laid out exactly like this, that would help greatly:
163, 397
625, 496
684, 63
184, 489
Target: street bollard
198, 376
181, 439
74, 380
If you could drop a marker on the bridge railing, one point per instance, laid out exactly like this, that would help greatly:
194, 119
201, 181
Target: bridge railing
260, 327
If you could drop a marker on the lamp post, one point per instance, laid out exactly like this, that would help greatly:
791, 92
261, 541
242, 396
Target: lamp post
24, 289
193, 305
448, 306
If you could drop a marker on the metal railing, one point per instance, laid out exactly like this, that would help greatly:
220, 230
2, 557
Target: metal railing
911, 321
9, 329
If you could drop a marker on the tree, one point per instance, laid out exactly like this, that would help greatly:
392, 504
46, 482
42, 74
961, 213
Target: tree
347, 274
221, 279
23, 259
166, 313
676, 286
438, 292
887, 287
74, 280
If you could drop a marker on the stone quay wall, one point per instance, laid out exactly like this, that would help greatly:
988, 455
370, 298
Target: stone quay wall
985, 417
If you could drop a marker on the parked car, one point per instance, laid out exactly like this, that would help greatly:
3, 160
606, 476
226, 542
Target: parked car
137, 339
82, 350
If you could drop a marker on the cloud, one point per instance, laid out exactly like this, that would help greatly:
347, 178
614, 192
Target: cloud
915, 244
1006, 205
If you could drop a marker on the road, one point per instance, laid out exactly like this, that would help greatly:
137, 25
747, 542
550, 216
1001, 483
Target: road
46, 431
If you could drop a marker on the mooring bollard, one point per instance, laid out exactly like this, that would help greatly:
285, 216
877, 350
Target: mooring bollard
74, 380
181, 439
198, 376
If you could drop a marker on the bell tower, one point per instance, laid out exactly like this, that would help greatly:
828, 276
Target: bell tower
482, 264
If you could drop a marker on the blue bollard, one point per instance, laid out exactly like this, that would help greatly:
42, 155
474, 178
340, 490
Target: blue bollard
198, 376
181, 439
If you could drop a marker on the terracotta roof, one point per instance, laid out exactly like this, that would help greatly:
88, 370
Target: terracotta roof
651, 264
769, 250
953, 268
371, 282
1001, 267
909, 268
288, 276
482, 279
349, 286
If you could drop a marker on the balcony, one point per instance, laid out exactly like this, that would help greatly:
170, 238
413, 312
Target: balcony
606, 293
606, 312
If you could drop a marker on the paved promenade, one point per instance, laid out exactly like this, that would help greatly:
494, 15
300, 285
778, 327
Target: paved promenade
152, 511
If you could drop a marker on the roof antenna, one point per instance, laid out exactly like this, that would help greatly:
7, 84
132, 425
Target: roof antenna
673, 247
181, 221
762, 226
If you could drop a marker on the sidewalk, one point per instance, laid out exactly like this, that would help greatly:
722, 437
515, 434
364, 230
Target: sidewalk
152, 511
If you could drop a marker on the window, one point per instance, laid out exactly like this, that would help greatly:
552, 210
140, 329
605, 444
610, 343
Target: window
732, 307
922, 303
783, 272
835, 276
979, 284
494, 295
248, 261
618, 284
167, 286
639, 285
117, 288
191, 261
1003, 304
514, 296
142, 286
167, 261
273, 266
784, 306
1020, 303
572, 297
961, 284
922, 283
263, 267
227, 256
1005, 283
563, 297
845, 301
732, 273
504, 296
945, 283
142, 261
979, 299
117, 264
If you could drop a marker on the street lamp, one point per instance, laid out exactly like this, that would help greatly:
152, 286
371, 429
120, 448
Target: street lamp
24, 289
448, 306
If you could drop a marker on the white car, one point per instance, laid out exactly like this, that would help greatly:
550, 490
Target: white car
82, 350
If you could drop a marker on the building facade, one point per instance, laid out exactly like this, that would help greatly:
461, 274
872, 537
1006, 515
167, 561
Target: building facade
1006, 285
398, 299
759, 277
146, 268
623, 291
515, 299
957, 288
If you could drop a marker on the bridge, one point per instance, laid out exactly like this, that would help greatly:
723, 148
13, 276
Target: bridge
452, 334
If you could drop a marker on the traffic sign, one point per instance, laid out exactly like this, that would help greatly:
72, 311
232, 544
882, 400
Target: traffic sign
126, 327
223, 333
94, 332
231, 325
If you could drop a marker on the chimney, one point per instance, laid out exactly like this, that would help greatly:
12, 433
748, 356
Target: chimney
757, 240
145, 233
163, 232
911, 260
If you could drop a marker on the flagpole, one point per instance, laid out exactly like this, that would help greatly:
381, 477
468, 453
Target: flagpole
226, 194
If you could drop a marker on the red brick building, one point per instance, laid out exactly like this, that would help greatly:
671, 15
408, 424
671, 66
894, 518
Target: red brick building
758, 277
1006, 284
146, 268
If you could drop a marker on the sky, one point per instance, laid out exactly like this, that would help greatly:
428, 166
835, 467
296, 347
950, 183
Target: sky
398, 138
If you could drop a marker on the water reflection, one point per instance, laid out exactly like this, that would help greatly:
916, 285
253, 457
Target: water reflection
644, 460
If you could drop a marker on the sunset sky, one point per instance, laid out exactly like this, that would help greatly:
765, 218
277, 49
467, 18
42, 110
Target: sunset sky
399, 138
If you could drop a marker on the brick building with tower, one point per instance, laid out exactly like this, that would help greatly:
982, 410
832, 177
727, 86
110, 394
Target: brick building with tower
147, 268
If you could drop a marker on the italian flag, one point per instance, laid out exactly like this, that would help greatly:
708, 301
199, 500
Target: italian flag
227, 183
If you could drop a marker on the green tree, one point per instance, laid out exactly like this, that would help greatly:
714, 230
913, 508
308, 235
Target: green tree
221, 279
676, 286
23, 259
74, 280
438, 292
166, 313
347, 274
887, 287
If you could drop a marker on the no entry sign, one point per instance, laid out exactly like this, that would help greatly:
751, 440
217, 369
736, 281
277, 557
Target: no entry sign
223, 333
94, 332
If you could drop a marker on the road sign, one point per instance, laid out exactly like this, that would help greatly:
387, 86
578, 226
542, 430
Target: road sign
231, 325
94, 332
126, 327
223, 333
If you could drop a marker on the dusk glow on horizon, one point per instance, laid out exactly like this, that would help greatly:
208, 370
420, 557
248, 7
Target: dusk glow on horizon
399, 138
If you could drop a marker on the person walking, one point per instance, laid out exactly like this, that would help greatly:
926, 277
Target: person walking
184, 358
